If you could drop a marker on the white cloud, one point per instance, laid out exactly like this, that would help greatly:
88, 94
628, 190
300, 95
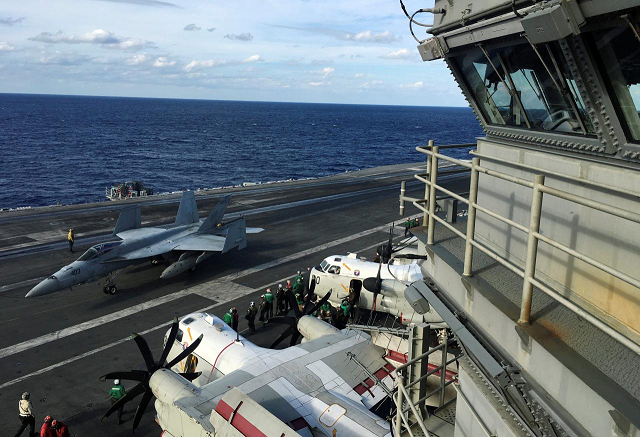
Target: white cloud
239, 37
101, 37
371, 84
210, 29
136, 59
65, 59
418, 84
359, 75
191, 27
400, 54
10, 21
326, 71
6, 47
320, 83
369, 36
214, 63
252, 58
162, 62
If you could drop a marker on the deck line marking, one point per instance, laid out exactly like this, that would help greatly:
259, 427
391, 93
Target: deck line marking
47, 338
146, 331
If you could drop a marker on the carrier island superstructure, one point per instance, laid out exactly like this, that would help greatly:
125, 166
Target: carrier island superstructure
541, 283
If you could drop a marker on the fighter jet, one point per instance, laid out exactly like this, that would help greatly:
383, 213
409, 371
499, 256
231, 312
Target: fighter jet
185, 244
329, 385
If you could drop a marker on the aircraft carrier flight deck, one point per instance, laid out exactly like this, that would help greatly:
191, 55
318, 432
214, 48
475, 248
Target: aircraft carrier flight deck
57, 346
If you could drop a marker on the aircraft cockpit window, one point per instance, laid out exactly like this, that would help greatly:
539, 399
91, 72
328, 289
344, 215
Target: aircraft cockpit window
187, 320
179, 336
323, 265
91, 253
619, 50
334, 269
337, 260
518, 86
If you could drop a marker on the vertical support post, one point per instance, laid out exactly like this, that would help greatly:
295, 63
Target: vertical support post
532, 250
425, 217
398, 428
443, 371
471, 217
433, 177
418, 345
403, 189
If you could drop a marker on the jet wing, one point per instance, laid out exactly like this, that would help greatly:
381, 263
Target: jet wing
201, 243
147, 252
139, 233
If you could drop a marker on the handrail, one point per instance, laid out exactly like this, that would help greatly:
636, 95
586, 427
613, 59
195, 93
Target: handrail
427, 206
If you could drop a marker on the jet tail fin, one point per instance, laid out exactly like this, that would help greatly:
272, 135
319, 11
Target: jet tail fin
188, 210
130, 218
215, 217
236, 235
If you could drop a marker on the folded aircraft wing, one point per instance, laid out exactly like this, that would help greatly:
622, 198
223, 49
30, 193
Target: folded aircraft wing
201, 243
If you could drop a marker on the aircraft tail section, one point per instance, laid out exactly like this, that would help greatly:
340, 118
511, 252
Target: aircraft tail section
236, 235
130, 218
188, 210
215, 217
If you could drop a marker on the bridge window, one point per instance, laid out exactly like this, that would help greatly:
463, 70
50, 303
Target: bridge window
618, 49
517, 85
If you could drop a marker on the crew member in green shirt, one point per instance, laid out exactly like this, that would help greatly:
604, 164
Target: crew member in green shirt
116, 393
268, 296
228, 317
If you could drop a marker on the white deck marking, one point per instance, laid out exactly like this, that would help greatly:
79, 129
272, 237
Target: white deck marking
210, 289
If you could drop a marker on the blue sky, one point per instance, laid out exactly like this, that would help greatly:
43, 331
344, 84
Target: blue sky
294, 50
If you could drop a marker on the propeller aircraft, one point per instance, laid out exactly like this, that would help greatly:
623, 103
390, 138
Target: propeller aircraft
378, 286
185, 243
326, 386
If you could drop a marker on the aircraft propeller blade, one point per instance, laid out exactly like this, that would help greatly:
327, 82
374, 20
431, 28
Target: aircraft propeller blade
282, 336
294, 338
141, 407
190, 376
170, 340
283, 320
293, 303
185, 353
135, 391
320, 303
134, 375
145, 351
386, 255
307, 306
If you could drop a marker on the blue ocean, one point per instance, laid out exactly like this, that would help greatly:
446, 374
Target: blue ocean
68, 149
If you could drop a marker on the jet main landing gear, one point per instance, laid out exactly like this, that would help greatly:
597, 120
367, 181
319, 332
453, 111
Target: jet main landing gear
110, 286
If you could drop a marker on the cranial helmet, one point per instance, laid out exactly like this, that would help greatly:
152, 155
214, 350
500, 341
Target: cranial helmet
116, 381
279, 285
25, 395
230, 310
252, 304
47, 419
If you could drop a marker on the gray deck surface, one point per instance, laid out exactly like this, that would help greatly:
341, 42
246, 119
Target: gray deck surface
60, 368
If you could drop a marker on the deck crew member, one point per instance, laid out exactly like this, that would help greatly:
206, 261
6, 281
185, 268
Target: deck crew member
25, 411
263, 309
234, 321
268, 297
287, 288
251, 317
47, 430
60, 428
71, 237
228, 317
280, 298
116, 393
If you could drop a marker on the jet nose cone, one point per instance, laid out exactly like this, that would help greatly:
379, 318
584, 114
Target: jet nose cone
49, 285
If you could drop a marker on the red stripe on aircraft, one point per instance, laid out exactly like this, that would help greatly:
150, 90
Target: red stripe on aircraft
381, 373
239, 422
397, 356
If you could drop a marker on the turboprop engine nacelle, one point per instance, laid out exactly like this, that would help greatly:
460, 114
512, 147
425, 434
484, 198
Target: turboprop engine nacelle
311, 328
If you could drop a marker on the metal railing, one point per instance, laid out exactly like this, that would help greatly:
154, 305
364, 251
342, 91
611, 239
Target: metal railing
402, 397
428, 207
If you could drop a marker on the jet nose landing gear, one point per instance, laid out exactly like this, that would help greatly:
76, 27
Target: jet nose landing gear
110, 286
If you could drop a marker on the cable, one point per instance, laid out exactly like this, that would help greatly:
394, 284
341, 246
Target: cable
411, 17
